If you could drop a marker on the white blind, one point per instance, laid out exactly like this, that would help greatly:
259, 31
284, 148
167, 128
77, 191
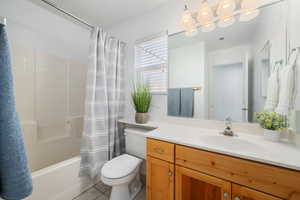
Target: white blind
151, 62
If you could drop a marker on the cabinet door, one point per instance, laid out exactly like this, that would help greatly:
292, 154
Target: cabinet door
192, 185
243, 193
160, 179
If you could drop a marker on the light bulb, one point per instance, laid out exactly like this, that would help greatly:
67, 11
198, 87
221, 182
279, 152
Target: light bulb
208, 27
249, 10
227, 21
189, 23
226, 7
225, 13
205, 14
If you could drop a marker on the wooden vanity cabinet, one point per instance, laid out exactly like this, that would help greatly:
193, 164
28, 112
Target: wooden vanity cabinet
243, 193
192, 185
160, 170
204, 175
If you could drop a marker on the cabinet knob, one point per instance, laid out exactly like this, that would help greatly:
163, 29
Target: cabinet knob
237, 198
226, 195
169, 173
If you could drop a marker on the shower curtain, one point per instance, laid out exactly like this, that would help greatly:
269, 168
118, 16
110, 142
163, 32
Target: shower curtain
104, 103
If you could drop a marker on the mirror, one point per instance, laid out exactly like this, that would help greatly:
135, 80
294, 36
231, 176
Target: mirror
224, 73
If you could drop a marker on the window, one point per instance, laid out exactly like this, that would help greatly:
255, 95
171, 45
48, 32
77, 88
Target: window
151, 62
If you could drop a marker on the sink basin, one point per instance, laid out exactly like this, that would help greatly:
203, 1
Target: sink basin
232, 143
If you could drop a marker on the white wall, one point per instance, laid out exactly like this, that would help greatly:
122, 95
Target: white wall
161, 19
49, 55
272, 28
187, 69
294, 39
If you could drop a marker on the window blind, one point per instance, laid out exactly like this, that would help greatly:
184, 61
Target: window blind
151, 62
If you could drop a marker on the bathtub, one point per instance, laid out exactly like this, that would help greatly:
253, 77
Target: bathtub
59, 181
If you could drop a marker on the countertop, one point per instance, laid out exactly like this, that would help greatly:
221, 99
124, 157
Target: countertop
247, 146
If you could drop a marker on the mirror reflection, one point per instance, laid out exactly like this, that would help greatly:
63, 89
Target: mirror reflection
224, 73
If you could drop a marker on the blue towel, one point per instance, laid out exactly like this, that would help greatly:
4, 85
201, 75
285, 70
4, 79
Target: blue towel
187, 102
15, 179
174, 102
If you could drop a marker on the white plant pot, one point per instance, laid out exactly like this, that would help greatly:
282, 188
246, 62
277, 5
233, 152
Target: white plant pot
273, 136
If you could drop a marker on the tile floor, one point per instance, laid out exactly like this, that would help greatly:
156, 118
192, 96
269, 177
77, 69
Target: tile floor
102, 192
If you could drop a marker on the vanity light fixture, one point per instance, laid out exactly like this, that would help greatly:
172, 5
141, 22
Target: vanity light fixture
188, 23
224, 15
249, 10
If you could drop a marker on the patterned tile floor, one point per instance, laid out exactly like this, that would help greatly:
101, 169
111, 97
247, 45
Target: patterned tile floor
102, 192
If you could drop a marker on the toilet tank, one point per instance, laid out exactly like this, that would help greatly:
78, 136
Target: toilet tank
136, 142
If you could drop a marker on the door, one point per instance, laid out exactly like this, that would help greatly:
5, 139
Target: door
192, 185
245, 108
160, 179
243, 193
228, 92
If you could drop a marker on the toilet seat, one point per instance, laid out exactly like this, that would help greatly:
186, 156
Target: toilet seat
120, 167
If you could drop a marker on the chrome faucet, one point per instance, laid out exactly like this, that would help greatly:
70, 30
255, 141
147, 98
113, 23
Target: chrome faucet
228, 130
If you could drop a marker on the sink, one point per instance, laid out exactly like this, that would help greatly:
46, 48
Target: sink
231, 143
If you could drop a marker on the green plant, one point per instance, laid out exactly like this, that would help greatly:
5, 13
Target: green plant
141, 98
271, 120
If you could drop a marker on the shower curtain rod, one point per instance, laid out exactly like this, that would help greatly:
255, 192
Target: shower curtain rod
68, 14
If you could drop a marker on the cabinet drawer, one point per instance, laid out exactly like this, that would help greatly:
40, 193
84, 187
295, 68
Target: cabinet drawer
161, 150
280, 182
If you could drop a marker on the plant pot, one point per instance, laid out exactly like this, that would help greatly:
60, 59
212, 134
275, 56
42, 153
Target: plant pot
141, 118
273, 136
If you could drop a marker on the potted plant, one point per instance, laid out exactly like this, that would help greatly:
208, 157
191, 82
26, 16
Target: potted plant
141, 98
273, 124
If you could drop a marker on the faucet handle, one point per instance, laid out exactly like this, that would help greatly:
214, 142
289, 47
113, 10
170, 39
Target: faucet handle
228, 122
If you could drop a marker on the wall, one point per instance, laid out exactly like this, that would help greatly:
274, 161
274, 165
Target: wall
189, 60
49, 55
163, 18
268, 31
294, 42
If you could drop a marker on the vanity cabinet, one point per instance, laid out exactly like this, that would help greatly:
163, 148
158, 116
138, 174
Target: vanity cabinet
205, 175
243, 193
160, 170
191, 185
160, 179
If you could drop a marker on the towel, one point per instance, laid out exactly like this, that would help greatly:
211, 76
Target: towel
174, 102
287, 86
187, 102
272, 92
15, 180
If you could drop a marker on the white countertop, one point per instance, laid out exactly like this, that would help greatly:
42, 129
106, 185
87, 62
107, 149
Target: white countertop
247, 146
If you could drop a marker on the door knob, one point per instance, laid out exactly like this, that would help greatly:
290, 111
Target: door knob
226, 195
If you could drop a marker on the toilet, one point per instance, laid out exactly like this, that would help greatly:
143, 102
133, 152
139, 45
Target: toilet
123, 172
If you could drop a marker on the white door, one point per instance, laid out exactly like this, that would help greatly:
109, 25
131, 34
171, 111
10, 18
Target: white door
245, 108
228, 92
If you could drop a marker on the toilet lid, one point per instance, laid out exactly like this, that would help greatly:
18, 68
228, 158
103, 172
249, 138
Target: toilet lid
120, 166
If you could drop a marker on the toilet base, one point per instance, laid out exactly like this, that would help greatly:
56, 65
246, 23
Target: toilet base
125, 191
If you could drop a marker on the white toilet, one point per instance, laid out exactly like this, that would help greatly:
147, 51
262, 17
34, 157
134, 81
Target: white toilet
123, 172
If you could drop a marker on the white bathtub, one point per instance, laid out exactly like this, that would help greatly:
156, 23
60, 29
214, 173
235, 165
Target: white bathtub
59, 181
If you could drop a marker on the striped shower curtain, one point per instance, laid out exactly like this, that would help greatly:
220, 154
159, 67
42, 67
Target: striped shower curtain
104, 103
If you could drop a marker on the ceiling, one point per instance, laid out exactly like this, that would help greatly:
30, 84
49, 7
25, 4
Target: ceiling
108, 12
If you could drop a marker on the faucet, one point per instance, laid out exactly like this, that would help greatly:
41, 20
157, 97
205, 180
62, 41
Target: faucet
228, 130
